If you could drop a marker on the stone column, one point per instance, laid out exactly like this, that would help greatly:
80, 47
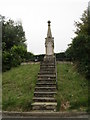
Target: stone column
49, 42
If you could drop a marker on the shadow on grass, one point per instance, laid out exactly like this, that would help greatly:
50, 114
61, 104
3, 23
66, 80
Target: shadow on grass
58, 104
79, 105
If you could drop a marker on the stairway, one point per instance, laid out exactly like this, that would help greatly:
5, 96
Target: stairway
45, 90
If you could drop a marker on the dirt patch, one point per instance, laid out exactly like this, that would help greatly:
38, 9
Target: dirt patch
64, 105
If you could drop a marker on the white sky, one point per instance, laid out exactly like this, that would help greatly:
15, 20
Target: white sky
34, 15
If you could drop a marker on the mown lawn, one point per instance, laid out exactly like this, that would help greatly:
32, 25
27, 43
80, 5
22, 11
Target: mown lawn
18, 87
72, 92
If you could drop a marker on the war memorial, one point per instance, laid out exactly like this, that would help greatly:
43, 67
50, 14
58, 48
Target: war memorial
45, 90
44, 105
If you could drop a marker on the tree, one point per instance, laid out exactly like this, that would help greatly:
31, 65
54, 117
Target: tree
17, 54
29, 56
13, 44
12, 34
82, 27
80, 46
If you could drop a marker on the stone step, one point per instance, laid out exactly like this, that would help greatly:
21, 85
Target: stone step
45, 84
44, 89
46, 72
47, 76
44, 94
45, 67
50, 66
44, 99
52, 79
46, 81
45, 62
44, 106
44, 78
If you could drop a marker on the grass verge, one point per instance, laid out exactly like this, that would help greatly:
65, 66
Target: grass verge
72, 94
18, 87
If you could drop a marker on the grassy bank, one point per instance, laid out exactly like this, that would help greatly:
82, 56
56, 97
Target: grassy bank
18, 86
72, 89
19, 83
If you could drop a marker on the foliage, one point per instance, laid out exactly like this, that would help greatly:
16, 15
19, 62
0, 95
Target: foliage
39, 57
82, 27
13, 44
79, 49
29, 57
12, 34
62, 57
69, 52
6, 60
17, 53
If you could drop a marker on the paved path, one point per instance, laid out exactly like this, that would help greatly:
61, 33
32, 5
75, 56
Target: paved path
45, 116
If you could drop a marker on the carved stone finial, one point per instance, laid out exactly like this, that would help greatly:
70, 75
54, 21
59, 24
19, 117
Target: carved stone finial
49, 23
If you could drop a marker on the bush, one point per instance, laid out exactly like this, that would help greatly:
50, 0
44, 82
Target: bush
6, 61
13, 44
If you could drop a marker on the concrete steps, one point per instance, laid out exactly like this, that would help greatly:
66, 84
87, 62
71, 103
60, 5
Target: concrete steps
46, 79
46, 84
45, 90
46, 72
47, 67
44, 106
44, 99
47, 76
44, 94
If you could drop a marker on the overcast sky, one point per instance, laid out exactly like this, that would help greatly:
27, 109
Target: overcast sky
34, 15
